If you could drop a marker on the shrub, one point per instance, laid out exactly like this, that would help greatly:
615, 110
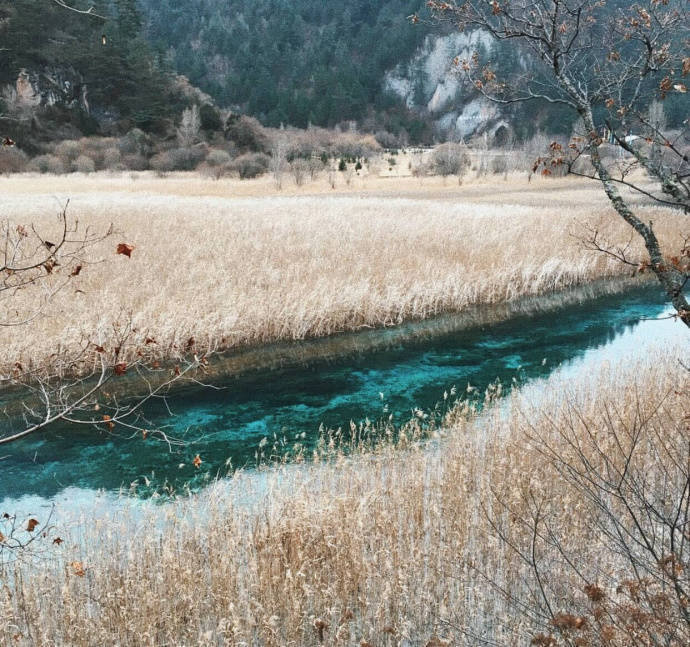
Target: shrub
69, 149
247, 133
178, 159
299, 169
450, 159
217, 157
135, 162
217, 163
135, 142
83, 164
342, 165
112, 158
354, 145
250, 165
12, 160
386, 139
48, 164
163, 162
499, 165
316, 165
421, 170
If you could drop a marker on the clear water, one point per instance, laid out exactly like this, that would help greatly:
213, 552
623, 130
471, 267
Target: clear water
229, 424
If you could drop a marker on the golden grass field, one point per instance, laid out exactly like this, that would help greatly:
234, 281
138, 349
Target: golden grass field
234, 263
399, 546
393, 548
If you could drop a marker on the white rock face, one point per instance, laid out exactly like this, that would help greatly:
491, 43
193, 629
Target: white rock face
26, 95
475, 116
430, 82
49, 87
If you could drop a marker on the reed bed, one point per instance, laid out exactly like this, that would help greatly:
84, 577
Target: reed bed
396, 547
230, 272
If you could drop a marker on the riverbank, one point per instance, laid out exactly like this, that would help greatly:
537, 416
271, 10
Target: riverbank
279, 407
228, 272
398, 546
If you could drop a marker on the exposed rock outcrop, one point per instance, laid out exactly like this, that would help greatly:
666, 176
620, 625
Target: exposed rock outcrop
61, 87
431, 84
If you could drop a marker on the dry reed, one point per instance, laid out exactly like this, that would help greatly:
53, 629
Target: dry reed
231, 272
391, 548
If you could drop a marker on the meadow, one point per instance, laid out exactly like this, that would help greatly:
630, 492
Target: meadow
232, 263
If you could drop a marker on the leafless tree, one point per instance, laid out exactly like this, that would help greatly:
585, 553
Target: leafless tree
594, 56
91, 11
190, 127
299, 169
607, 561
279, 157
315, 167
69, 386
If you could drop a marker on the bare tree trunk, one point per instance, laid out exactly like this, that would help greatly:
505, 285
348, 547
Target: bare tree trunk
672, 280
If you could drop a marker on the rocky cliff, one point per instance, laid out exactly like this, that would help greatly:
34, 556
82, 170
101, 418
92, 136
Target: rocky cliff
430, 83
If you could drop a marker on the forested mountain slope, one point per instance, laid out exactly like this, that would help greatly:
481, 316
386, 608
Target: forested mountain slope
292, 61
62, 72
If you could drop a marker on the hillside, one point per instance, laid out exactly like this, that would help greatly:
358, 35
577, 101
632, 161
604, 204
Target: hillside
298, 62
326, 63
62, 73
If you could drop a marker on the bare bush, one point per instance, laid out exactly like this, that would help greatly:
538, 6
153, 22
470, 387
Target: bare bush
112, 159
247, 133
316, 166
69, 150
178, 159
450, 159
96, 148
163, 162
386, 140
84, 164
135, 162
217, 163
250, 165
12, 160
421, 170
299, 169
48, 164
320, 142
499, 164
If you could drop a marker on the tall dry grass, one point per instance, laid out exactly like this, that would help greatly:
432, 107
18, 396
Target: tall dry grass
399, 547
230, 272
